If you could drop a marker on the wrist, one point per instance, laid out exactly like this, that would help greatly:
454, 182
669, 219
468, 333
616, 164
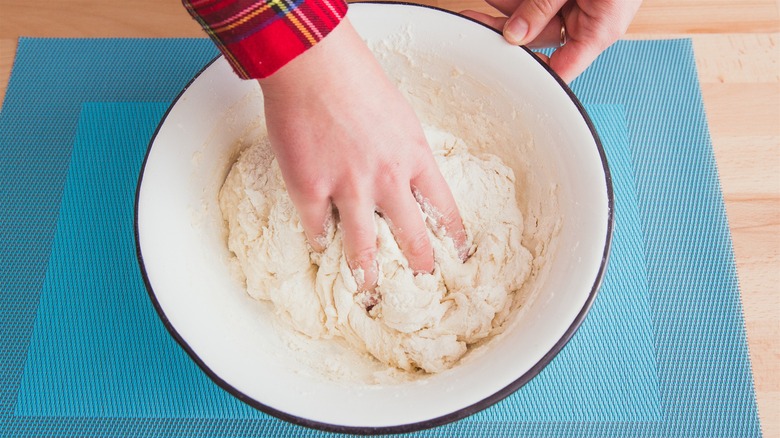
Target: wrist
332, 62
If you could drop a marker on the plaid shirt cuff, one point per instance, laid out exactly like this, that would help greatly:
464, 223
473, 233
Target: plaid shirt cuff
258, 37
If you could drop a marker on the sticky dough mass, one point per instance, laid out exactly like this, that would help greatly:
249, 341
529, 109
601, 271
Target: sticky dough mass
422, 322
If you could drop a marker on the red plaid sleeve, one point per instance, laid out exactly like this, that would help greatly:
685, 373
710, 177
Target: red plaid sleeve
260, 36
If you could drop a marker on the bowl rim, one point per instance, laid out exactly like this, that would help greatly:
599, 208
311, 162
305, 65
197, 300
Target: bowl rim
420, 425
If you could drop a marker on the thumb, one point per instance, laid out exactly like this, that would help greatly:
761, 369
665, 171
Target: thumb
529, 19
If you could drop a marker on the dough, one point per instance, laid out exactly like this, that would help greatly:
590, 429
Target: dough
425, 322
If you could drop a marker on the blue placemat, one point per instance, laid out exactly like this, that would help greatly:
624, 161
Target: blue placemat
662, 353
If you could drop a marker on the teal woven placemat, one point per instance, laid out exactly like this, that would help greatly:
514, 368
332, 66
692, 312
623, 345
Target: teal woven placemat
662, 353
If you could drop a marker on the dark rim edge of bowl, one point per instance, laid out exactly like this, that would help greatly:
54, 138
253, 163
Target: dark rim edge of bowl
434, 422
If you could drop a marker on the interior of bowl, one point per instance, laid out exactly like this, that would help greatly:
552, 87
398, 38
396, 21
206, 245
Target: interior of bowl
445, 64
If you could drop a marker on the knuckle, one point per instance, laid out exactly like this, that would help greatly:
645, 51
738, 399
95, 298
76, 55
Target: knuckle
362, 257
452, 223
418, 246
391, 175
542, 8
311, 187
353, 185
450, 216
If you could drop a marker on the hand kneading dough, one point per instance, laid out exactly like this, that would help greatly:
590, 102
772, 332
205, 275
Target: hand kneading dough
421, 322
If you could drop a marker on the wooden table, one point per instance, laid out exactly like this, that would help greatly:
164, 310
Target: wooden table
738, 59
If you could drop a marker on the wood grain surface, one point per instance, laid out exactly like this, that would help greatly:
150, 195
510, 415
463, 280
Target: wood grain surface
738, 61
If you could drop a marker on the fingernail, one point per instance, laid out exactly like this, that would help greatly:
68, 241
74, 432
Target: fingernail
359, 274
318, 243
463, 252
366, 278
515, 30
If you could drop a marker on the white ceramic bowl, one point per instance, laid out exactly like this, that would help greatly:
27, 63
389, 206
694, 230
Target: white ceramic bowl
537, 126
